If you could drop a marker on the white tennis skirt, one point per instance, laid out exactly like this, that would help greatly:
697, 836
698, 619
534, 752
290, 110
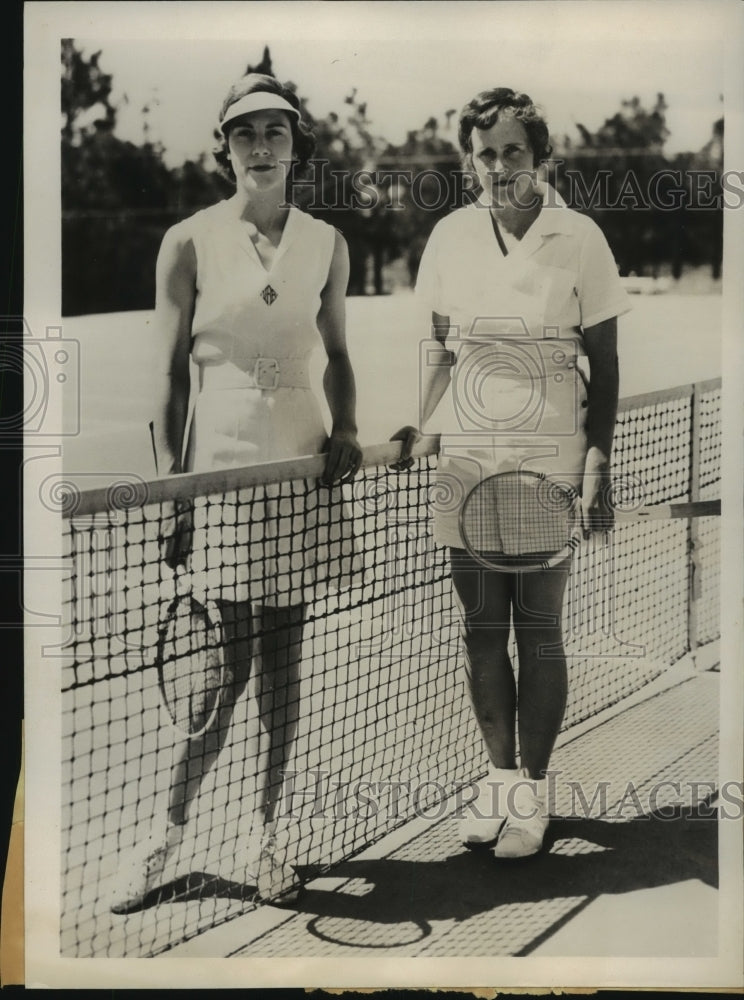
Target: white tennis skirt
278, 546
552, 442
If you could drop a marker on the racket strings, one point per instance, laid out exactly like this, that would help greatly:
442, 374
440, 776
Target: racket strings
514, 515
191, 665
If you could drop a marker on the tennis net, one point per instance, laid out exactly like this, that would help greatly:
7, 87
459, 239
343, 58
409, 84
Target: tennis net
383, 727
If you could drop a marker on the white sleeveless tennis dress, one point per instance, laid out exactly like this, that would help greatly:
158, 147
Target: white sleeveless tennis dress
253, 332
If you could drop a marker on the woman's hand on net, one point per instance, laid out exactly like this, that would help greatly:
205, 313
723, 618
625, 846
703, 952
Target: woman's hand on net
409, 435
598, 513
176, 532
343, 458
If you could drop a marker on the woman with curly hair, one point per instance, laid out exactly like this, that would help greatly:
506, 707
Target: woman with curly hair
245, 291
524, 296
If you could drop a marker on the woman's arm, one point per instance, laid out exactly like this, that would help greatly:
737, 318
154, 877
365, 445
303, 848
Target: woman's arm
175, 291
600, 342
438, 372
344, 453
434, 382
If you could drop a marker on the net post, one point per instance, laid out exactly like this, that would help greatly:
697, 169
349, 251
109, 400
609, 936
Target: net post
693, 536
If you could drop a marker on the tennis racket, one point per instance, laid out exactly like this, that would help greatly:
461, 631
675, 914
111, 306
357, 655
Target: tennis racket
526, 522
521, 521
190, 660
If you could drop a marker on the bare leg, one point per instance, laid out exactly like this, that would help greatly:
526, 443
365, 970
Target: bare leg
278, 657
484, 597
193, 758
543, 681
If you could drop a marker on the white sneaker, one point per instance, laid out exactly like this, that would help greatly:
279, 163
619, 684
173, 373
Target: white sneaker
276, 881
524, 830
481, 828
143, 869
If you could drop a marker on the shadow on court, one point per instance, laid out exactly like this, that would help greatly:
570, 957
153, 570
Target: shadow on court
582, 859
606, 884
196, 886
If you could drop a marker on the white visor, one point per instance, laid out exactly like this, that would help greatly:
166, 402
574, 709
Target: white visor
259, 100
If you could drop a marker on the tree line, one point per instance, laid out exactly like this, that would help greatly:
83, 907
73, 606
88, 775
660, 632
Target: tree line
119, 197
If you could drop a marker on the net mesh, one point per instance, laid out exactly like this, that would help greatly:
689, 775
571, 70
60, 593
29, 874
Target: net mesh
360, 676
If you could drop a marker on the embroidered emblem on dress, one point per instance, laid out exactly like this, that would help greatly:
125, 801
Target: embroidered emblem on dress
269, 295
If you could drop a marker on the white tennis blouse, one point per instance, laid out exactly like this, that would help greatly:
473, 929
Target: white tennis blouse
560, 277
517, 396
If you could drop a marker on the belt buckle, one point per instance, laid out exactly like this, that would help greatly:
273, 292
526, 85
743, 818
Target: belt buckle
266, 372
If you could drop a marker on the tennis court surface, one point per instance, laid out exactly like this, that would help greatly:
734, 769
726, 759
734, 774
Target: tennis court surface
386, 746
632, 875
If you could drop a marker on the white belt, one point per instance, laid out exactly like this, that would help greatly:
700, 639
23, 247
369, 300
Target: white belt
261, 373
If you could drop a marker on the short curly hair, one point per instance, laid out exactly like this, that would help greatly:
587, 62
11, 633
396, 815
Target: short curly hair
484, 110
303, 140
